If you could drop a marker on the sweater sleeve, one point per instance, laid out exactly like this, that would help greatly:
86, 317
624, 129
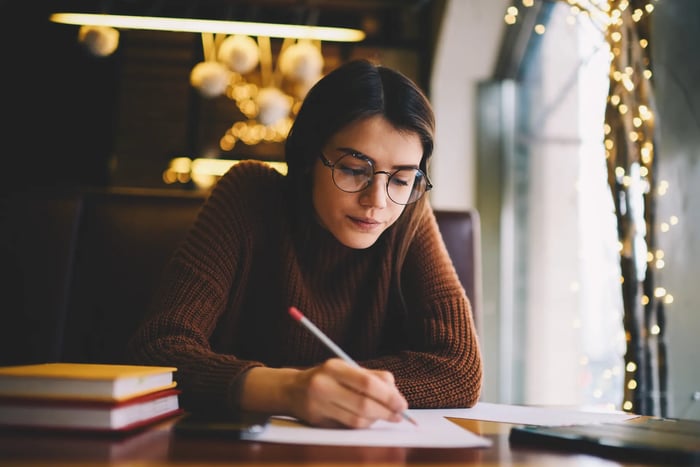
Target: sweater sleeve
441, 363
203, 275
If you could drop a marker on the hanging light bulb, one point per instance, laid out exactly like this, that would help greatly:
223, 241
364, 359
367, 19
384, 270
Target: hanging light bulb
301, 62
101, 41
240, 53
210, 78
273, 105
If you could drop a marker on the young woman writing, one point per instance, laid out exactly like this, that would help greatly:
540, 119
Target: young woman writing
349, 239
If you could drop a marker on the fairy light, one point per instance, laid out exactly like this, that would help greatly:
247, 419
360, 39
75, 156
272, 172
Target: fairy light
511, 16
630, 154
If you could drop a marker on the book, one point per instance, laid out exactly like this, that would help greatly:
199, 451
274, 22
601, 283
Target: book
88, 381
88, 415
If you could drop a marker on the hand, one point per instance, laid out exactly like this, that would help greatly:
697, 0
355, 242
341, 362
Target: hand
337, 394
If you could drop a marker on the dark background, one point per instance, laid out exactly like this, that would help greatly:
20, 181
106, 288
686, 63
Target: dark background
73, 119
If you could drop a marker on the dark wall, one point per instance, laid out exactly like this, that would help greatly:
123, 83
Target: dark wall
58, 103
77, 119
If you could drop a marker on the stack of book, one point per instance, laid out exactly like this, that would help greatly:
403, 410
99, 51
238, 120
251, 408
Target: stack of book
86, 396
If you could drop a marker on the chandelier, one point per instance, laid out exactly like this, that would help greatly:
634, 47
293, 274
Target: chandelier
267, 93
238, 63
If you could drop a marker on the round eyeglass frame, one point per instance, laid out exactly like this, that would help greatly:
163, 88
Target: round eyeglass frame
326, 162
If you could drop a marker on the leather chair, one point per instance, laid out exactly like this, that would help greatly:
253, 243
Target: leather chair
37, 242
79, 268
461, 231
125, 240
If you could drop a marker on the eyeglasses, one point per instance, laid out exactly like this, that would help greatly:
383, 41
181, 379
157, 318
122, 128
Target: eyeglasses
354, 172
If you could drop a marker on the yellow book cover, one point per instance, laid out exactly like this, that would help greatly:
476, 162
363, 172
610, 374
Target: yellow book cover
91, 381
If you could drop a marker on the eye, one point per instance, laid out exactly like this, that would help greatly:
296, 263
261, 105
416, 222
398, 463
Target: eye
354, 166
399, 182
403, 178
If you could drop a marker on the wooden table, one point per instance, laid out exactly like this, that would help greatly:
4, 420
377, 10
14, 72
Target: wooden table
157, 446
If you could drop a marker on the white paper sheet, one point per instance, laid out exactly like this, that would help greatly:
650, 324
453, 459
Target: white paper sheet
433, 431
528, 415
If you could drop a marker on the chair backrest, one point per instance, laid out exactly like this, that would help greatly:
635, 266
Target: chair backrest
461, 231
78, 268
125, 240
37, 249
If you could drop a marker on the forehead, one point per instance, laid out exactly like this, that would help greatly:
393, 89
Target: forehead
380, 140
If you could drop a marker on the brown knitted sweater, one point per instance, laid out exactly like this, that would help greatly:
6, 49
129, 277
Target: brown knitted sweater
222, 307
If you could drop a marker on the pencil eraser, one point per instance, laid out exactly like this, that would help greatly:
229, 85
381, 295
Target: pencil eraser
296, 314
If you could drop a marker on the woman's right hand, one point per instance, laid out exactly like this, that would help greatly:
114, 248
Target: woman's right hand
332, 394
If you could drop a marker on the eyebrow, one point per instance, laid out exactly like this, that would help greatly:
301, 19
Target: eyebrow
347, 150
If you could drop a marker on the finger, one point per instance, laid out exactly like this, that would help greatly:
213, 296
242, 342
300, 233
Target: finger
386, 376
369, 407
373, 393
332, 403
381, 387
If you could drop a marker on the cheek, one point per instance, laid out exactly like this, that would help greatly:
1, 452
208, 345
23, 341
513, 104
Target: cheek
396, 213
324, 197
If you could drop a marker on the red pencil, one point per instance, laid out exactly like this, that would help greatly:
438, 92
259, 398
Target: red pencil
299, 316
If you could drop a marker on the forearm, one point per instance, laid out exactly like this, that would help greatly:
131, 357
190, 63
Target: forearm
264, 389
431, 381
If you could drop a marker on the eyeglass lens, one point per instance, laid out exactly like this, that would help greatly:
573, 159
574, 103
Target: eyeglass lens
352, 173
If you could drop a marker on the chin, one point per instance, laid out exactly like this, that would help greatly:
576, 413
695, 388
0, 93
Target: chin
358, 242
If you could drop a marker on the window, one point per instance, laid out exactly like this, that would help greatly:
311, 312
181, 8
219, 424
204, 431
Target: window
570, 303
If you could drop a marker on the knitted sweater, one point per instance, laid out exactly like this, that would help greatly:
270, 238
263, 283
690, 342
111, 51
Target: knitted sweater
222, 307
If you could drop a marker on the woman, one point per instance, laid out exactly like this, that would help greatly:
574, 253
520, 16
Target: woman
347, 237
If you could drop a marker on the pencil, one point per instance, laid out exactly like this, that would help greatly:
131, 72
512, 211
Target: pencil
299, 316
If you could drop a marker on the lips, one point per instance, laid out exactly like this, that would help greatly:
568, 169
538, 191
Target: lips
364, 223
364, 220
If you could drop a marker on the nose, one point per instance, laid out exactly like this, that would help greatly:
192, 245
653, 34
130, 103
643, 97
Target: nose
376, 192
